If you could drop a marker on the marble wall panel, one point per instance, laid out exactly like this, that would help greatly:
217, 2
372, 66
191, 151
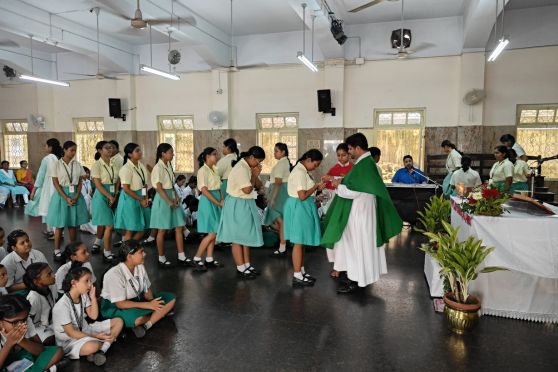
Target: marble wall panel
491, 136
469, 139
433, 137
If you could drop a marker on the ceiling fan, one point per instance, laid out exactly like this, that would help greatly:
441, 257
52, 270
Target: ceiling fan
368, 5
404, 40
98, 75
137, 21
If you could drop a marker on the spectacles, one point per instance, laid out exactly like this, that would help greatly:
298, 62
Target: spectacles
16, 322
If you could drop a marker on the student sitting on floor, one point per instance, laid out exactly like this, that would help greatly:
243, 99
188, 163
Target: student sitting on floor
3, 252
19, 340
39, 278
76, 255
20, 257
3, 280
127, 292
76, 336
87, 190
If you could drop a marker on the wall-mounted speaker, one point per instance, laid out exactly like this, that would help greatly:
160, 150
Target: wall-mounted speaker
115, 110
324, 102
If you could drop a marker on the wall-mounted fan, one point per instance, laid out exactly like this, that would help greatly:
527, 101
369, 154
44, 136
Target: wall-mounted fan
38, 121
474, 96
216, 118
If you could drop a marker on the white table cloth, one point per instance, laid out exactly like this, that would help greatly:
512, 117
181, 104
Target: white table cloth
528, 246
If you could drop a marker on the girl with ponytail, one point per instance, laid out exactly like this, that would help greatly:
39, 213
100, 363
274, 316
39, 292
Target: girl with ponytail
209, 209
44, 188
302, 224
453, 163
224, 165
278, 194
240, 222
166, 212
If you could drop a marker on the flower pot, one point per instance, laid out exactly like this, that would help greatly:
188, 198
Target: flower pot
461, 318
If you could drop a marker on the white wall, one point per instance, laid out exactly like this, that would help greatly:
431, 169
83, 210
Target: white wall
520, 77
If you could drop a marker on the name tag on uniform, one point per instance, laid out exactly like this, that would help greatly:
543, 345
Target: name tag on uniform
72, 188
143, 191
112, 188
267, 184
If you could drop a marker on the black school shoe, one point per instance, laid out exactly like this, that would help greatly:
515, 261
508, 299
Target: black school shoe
200, 267
254, 271
309, 277
187, 263
278, 254
213, 264
304, 282
167, 264
246, 274
347, 288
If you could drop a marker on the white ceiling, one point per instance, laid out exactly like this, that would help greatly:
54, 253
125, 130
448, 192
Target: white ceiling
524, 4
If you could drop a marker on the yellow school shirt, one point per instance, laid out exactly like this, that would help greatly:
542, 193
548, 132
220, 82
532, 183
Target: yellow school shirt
299, 180
224, 166
239, 178
520, 171
134, 176
281, 170
501, 170
64, 172
163, 174
106, 173
453, 160
208, 177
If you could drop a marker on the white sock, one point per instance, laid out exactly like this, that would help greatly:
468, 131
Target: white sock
247, 264
147, 325
282, 247
181, 256
150, 239
57, 251
25, 199
53, 369
298, 276
197, 259
302, 270
107, 253
209, 259
241, 267
98, 241
186, 232
162, 259
105, 346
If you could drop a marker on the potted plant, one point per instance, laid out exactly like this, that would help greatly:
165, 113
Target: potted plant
459, 262
438, 209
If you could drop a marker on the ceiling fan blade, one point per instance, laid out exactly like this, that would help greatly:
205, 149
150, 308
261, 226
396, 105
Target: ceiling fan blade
76, 73
167, 21
255, 65
110, 77
9, 43
365, 6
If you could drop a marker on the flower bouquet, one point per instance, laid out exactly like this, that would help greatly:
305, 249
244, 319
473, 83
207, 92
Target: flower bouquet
484, 201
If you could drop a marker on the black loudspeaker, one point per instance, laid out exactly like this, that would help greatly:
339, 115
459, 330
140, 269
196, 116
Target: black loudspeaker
324, 100
114, 108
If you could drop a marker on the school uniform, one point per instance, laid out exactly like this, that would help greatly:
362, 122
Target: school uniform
240, 222
65, 269
302, 224
3, 291
518, 149
41, 311
101, 213
3, 253
520, 171
453, 162
209, 214
338, 171
500, 171
163, 216
275, 208
67, 312
118, 161
16, 266
469, 178
181, 192
60, 214
40, 362
130, 215
224, 167
87, 188
119, 284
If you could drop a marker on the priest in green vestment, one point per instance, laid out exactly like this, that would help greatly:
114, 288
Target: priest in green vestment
360, 220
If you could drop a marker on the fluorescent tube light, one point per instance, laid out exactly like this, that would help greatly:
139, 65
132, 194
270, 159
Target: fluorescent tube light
496, 52
306, 61
41, 80
154, 71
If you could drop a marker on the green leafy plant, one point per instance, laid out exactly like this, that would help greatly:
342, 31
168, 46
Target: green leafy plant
438, 209
459, 261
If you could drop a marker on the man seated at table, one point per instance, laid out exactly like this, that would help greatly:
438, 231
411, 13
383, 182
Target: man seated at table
409, 174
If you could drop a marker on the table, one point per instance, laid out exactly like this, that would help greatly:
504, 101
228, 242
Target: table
411, 198
528, 246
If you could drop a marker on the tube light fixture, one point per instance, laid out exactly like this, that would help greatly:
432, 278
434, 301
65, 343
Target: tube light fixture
41, 80
306, 61
499, 48
154, 71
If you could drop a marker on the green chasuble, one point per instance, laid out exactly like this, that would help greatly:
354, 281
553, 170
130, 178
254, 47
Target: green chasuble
363, 177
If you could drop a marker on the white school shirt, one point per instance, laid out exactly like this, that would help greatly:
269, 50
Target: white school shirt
120, 285
281, 170
471, 178
520, 171
41, 307
453, 160
86, 188
63, 171
224, 165
501, 170
299, 180
16, 266
518, 149
162, 174
63, 271
63, 314
239, 178
3, 291
3, 253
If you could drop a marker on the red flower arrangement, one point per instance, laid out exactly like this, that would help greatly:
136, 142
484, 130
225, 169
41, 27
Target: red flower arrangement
484, 200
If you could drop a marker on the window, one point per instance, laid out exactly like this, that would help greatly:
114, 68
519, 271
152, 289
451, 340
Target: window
397, 132
88, 131
537, 133
273, 128
15, 141
178, 131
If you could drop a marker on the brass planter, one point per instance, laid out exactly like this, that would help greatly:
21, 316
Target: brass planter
461, 318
